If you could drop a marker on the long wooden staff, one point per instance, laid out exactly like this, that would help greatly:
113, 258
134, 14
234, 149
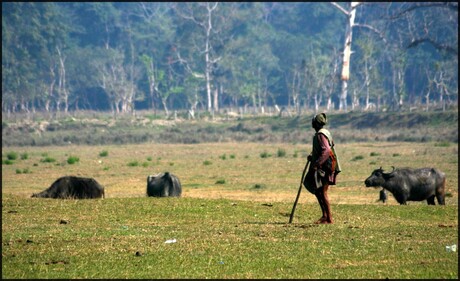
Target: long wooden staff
298, 193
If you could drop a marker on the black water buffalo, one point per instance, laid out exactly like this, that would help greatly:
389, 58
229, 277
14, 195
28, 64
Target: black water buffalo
163, 185
408, 184
70, 187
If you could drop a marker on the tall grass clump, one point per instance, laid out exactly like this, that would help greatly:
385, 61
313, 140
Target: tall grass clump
281, 152
104, 153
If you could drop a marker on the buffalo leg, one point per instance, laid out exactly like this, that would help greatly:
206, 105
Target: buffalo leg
441, 199
430, 200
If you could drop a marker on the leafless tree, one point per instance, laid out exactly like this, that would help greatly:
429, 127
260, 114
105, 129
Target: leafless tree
203, 18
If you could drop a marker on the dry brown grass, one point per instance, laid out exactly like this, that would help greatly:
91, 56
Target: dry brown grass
247, 175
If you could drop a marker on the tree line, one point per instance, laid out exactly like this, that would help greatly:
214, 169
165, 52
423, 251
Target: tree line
59, 57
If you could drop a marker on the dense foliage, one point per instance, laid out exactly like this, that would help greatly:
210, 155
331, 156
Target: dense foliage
208, 56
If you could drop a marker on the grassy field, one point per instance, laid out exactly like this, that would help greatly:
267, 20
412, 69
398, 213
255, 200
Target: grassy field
232, 220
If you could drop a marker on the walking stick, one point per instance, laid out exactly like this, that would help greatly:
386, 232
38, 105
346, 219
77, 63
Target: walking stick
298, 193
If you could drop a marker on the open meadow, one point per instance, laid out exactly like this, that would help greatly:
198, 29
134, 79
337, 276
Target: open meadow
232, 219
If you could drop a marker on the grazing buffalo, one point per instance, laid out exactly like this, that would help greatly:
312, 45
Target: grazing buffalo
411, 184
163, 185
70, 187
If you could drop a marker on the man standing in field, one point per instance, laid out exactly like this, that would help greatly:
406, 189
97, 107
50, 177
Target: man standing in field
324, 167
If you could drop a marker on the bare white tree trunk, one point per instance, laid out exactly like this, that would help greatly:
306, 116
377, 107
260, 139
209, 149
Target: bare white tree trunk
63, 93
350, 13
209, 62
206, 24
51, 88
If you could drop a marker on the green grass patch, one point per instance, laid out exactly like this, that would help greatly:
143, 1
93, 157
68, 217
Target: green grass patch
104, 153
223, 239
134, 163
236, 230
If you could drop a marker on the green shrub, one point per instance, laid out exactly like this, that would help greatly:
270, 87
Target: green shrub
265, 155
258, 186
358, 157
72, 160
375, 154
24, 156
48, 159
145, 164
232, 156
133, 164
12, 155
104, 153
281, 152
221, 181
149, 158
223, 156
207, 162
442, 144
23, 171
7, 162
396, 154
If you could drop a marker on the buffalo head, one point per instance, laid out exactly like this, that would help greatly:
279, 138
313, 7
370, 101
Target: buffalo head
378, 178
